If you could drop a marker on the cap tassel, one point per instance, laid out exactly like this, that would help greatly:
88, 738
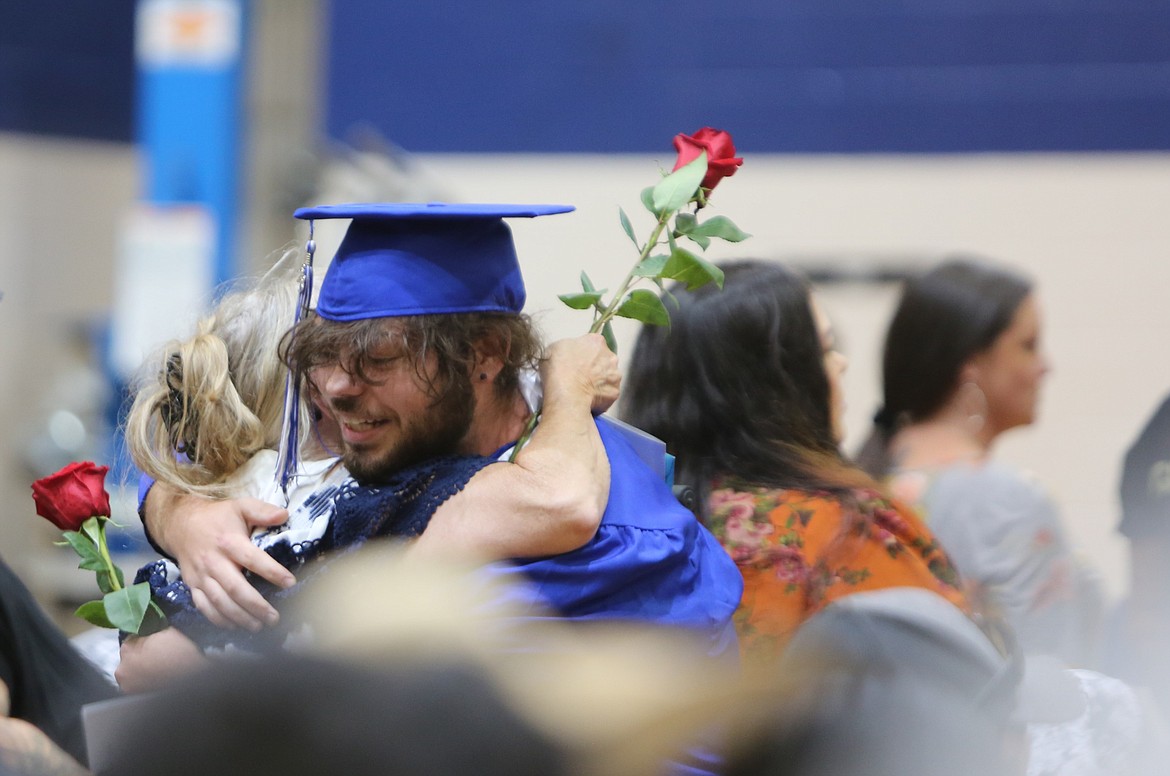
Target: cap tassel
288, 459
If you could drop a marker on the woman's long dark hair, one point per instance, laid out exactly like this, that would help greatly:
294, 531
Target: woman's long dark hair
945, 317
737, 385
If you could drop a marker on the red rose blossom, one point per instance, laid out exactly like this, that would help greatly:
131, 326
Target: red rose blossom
73, 495
721, 159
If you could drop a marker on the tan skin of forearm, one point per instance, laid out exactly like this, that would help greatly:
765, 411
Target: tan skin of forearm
161, 499
549, 501
564, 472
26, 750
552, 498
150, 662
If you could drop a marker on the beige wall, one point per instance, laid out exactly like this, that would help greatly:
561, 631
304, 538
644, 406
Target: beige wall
60, 205
1090, 229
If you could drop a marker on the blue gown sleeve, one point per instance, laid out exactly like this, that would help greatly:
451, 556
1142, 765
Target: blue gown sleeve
650, 560
145, 483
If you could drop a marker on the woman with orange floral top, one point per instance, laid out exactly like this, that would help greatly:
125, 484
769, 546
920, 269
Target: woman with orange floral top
745, 389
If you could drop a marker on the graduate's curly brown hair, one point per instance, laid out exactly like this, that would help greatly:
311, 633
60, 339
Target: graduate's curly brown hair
453, 339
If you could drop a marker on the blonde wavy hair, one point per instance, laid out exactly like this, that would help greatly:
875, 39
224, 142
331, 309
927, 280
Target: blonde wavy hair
205, 405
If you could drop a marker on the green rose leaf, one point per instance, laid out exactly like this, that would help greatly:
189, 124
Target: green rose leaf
651, 267
104, 582
153, 622
125, 608
665, 295
721, 227
92, 529
84, 548
627, 226
94, 612
92, 564
644, 306
581, 301
678, 188
610, 339
685, 226
586, 283
648, 199
688, 268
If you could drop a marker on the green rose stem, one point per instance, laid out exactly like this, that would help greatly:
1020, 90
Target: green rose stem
610, 310
114, 576
104, 551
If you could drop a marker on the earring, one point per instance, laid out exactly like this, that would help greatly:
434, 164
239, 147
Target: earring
974, 403
483, 375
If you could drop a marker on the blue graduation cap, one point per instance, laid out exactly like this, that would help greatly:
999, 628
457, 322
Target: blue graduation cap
413, 259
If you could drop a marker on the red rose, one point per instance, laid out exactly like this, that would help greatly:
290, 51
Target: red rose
73, 495
721, 159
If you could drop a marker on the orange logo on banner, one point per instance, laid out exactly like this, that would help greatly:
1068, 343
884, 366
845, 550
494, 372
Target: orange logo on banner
189, 26
188, 33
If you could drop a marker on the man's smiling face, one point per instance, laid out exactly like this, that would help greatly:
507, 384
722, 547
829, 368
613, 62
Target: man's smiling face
392, 418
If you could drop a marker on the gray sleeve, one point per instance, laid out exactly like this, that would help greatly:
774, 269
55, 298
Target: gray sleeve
1005, 534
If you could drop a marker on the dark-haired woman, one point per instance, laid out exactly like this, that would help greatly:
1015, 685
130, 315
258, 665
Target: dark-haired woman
962, 365
744, 387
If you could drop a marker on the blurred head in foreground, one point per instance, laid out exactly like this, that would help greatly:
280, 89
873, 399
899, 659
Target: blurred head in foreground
457, 672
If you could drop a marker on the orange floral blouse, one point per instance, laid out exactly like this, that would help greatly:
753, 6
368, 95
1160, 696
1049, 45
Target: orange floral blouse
799, 552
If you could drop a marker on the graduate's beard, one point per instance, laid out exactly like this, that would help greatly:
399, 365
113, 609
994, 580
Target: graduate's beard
434, 433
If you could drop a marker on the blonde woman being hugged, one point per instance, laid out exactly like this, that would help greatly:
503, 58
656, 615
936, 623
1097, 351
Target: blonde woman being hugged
207, 411
206, 421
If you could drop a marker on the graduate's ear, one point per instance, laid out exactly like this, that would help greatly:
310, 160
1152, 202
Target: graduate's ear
489, 359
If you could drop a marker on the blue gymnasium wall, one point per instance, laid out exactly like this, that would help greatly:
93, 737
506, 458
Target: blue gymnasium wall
802, 76
67, 68
605, 76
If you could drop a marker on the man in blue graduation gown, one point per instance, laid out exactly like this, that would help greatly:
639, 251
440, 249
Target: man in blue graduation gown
407, 275
414, 349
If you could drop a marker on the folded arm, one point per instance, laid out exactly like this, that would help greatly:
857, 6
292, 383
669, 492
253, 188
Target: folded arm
552, 498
